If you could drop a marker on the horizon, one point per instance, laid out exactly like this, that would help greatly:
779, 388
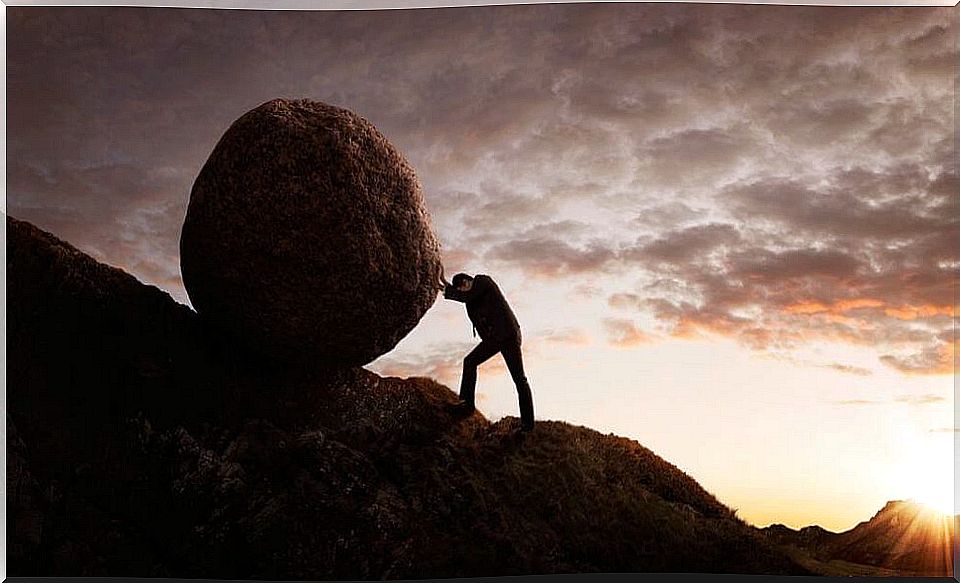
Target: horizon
745, 215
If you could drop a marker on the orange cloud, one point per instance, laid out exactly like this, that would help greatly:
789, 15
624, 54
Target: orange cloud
936, 361
837, 308
806, 308
686, 329
856, 304
624, 334
909, 312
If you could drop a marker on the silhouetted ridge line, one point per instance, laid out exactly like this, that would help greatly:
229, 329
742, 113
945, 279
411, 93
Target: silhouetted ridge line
142, 444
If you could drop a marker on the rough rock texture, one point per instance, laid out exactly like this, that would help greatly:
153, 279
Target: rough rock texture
140, 444
307, 236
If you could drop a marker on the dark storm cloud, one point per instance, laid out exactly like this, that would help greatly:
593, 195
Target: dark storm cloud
501, 237
688, 155
673, 213
505, 211
678, 247
138, 224
546, 256
860, 254
900, 203
870, 288
779, 175
451, 202
155, 88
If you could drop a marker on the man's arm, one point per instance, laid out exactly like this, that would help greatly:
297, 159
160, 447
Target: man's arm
444, 284
452, 293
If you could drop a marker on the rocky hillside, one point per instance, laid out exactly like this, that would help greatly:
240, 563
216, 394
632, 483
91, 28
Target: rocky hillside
140, 443
903, 538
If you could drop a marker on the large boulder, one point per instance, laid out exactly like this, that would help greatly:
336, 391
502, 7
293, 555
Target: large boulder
307, 236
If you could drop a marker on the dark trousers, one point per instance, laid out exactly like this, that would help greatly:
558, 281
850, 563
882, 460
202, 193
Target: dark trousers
512, 356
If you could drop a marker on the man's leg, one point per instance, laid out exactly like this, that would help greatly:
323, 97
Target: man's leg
477, 356
514, 359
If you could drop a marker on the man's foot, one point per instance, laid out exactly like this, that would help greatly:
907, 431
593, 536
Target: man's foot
463, 408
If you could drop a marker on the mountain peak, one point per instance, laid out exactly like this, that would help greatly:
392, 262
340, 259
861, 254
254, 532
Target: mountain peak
902, 538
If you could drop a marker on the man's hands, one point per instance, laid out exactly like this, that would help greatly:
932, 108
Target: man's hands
443, 283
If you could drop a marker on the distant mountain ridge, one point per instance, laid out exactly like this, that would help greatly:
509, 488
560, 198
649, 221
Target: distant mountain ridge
141, 443
903, 536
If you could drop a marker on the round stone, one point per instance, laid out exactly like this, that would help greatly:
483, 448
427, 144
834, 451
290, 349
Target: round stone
307, 237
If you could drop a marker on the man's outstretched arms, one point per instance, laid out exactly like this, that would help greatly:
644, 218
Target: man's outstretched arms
481, 285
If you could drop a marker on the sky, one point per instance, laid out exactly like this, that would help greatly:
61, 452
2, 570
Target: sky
729, 232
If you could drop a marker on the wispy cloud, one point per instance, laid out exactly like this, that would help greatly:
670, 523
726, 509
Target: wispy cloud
920, 399
911, 400
549, 257
846, 368
567, 336
857, 402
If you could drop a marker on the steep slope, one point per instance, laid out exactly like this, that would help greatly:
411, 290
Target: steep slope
142, 444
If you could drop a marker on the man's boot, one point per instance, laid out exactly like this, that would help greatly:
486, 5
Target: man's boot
526, 407
463, 408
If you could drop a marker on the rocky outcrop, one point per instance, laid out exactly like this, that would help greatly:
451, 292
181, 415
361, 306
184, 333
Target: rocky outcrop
307, 236
143, 444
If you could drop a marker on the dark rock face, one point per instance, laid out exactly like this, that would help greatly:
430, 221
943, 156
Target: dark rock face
307, 236
140, 445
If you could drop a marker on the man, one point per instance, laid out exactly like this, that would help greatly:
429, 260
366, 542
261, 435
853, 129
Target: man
499, 332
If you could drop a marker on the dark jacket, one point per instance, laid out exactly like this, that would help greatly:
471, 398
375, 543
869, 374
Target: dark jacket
488, 310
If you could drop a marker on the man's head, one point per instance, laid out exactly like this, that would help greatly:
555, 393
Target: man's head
462, 282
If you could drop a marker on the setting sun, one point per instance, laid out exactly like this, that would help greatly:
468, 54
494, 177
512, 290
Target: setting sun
928, 480
936, 498
936, 495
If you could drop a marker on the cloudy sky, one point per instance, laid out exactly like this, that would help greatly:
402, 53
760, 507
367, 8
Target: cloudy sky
728, 231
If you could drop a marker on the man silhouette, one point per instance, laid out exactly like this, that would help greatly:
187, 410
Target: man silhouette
499, 332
